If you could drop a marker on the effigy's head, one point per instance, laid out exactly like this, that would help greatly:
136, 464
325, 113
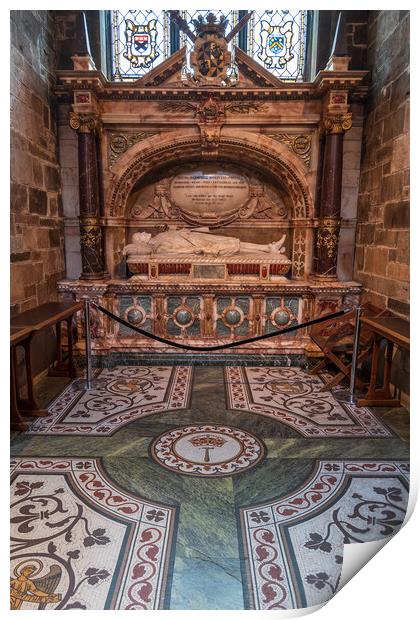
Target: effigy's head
143, 237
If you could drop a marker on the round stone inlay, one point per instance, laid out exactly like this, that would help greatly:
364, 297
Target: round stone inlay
232, 316
183, 316
207, 450
135, 316
281, 317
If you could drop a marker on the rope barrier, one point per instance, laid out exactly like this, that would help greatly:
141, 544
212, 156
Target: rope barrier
219, 347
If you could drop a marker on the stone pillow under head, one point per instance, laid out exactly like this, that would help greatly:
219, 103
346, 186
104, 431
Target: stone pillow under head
139, 249
142, 248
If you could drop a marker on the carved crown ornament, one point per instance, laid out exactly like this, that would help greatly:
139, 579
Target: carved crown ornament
337, 123
84, 122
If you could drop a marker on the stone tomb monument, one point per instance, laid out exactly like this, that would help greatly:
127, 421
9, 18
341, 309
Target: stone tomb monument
197, 254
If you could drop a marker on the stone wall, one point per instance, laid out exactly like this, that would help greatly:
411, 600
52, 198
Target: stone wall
37, 239
382, 249
37, 233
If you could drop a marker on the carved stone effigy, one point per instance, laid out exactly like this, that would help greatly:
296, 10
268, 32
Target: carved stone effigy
199, 255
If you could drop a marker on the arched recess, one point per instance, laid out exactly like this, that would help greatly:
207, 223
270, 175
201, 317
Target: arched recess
260, 152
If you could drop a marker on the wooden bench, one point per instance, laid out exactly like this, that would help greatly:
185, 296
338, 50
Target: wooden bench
22, 329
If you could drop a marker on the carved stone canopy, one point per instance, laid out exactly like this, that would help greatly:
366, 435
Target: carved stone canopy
231, 149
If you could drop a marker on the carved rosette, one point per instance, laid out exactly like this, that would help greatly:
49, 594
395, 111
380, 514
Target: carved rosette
327, 245
337, 123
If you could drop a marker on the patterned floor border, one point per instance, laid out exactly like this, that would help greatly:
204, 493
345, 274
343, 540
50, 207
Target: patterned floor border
293, 545
120, 396
296, 399
81, 542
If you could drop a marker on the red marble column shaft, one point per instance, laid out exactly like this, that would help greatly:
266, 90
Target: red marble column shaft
330, 207
90, 229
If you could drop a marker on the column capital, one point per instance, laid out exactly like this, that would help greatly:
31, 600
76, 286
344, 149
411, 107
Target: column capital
84, 122
337, 123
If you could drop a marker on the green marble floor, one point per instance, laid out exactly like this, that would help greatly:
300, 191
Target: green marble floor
207, 567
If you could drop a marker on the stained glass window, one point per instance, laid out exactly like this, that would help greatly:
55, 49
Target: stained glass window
276, 39
142, 39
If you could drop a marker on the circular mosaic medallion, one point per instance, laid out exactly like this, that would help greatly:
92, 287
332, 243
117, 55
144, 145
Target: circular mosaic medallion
207, 450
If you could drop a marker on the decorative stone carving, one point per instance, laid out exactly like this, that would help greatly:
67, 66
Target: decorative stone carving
337, 123
119, 143
211, 194
298, 257
230, 148
86, 125
84, 122
327, 237
300, 144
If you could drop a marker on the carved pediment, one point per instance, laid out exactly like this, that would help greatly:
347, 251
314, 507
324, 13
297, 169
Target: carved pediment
168, 72
251, 73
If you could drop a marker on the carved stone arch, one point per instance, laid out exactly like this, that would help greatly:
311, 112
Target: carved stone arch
264, 154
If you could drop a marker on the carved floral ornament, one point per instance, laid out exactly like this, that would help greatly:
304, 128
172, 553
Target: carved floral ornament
204, 109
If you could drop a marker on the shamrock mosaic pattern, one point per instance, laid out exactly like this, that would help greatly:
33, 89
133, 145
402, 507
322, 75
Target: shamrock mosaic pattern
293, 397
80, 542
120, 395
294, 545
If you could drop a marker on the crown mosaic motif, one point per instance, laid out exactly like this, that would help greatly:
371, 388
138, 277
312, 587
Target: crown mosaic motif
211, 25
207, 441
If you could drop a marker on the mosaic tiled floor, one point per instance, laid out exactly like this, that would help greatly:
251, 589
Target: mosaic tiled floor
120, 396
198, 506
295, 398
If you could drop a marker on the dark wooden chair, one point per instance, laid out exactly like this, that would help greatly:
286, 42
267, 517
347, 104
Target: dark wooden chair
335, 339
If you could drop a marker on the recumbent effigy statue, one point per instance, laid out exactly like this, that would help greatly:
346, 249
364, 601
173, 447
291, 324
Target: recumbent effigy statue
197, 253
198, 242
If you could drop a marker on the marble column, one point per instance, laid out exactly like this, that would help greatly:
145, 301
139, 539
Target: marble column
90, 229
330, 204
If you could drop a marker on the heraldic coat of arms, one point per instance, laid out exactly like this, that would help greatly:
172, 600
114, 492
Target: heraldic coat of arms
141, 49
210, 58
276, 44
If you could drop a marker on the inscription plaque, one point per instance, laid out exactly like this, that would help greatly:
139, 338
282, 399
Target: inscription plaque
209, 191
212, 272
